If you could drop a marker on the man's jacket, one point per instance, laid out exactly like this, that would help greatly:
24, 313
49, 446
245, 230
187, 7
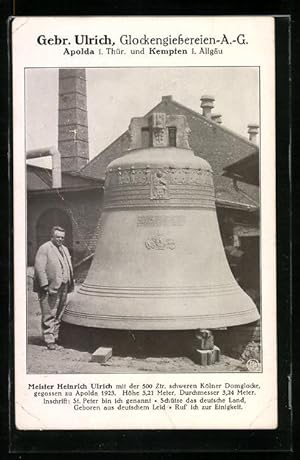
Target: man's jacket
48, 267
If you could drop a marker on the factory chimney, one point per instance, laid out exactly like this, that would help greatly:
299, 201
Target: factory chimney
72, 120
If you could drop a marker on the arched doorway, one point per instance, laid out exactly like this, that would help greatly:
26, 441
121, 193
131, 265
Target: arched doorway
49, 219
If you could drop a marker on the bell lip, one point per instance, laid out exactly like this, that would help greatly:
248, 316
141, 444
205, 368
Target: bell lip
102, 313
153, 157
156, 324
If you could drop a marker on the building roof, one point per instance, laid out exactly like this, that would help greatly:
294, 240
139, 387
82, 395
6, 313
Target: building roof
245, 170
214, 142
236, 194
40, 179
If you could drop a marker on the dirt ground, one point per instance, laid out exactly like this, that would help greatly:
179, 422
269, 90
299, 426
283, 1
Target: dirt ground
132, 352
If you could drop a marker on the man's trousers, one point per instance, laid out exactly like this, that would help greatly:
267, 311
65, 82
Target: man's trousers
53, 306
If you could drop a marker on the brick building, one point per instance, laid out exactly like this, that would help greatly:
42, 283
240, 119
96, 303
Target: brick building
77, 203
76, 206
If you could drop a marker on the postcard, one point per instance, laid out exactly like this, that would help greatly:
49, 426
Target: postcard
144, 223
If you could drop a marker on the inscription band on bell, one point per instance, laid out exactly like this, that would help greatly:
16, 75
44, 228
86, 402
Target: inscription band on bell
161, 221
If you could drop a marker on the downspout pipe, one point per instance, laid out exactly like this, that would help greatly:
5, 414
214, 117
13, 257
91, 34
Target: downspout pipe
56, 162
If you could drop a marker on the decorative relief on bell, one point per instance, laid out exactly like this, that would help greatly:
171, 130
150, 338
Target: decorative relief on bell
160, 138
172, 176
180, 176
124, 177
159, 185
158, 120
185, 137
197, 177
160, 242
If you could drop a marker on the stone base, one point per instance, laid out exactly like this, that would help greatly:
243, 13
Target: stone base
101, 355
207, 357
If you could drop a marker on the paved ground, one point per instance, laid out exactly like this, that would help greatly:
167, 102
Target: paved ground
132, 352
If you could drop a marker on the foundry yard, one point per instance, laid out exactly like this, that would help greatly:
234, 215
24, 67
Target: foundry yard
131, 354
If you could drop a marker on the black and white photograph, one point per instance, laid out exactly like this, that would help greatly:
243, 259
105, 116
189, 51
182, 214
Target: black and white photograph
143, 220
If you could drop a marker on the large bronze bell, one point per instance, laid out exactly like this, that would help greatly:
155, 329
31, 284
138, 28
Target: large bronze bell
159, 262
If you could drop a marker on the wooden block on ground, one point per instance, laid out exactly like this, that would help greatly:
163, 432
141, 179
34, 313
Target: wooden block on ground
101, 355
207, 357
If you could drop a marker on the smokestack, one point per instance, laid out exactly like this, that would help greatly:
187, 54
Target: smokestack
207, 104
166, 98
73, 142
217, 118
253, 132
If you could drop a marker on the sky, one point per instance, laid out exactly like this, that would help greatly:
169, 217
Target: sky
115, 95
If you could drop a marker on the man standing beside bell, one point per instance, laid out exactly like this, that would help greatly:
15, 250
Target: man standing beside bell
53, 279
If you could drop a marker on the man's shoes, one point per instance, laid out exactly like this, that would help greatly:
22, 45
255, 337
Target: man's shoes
53, 346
